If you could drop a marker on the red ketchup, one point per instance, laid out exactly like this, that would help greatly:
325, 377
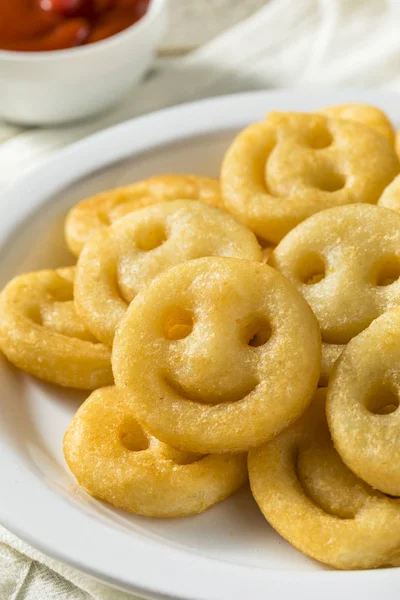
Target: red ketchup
38, 25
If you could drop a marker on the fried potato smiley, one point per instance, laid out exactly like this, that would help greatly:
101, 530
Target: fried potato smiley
362, 405
316, 503
120, 261
279, 172
217, 355
41, 333
115, 460
346, 263
100, 211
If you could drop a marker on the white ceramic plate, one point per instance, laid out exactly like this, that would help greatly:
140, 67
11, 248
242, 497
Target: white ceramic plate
227, 553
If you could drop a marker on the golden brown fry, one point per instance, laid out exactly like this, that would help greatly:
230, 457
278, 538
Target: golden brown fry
362, 404
218, 355
119, 262
346, 263
316, 503
115, 460
368, 115
102, 210
41, 333
279, 172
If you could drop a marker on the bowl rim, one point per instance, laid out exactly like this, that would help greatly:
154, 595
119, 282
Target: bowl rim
155, 9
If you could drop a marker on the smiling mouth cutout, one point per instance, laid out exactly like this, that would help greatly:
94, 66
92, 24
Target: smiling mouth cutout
227, 397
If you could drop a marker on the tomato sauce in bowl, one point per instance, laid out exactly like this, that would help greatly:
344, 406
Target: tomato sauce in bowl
44, 25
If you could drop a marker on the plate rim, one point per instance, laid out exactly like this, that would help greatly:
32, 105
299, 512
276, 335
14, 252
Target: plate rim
200, 577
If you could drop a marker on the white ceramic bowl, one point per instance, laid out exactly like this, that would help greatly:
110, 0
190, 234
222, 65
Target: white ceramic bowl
41, 88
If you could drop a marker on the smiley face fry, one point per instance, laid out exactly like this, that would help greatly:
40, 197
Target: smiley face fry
218, 355
122, 260
115, 460
315, 502
41, 333
100, 211
363, 400
283, 170
346, 263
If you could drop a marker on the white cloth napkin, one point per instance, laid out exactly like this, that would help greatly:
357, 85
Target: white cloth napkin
287, 43
26, 574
